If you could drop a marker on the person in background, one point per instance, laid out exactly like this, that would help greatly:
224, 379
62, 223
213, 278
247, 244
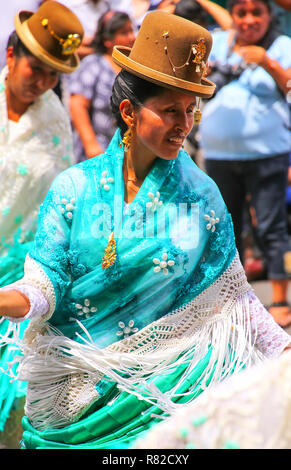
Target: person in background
168, 6
90, 87
142, 7
205, 13
245, 133
35, 145
8, 12
282, 9
218, 16
89, 12
192, 11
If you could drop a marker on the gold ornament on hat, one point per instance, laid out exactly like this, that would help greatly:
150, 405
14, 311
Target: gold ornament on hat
70, 44
198, 50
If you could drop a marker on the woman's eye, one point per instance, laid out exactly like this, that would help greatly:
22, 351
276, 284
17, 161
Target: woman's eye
241, 13
257, 12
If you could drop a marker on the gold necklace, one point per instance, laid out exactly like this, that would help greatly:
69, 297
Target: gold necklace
109, 257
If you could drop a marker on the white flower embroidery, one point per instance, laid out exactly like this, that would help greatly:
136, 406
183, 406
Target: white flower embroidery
163, 264
155, 202
69, 207
126, 330
105, 180
85, 309
212, 220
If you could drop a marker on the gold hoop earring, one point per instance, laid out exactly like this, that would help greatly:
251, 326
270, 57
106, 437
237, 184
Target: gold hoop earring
127, 139
197, 113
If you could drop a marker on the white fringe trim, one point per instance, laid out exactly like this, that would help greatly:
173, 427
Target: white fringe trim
62, 373
11, 338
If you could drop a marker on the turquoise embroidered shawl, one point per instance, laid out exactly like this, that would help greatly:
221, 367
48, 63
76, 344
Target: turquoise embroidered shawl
174, 240
169, 317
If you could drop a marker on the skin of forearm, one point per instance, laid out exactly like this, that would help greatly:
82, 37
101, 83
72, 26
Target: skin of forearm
218, 13
13, 304
82, 122
83, 51
286, 4
280, 75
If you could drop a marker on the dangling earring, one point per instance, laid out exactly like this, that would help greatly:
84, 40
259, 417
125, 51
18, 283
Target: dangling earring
197, 113
127, 139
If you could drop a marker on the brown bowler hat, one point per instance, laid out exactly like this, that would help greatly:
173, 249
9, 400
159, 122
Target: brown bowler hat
52, 34
170, 51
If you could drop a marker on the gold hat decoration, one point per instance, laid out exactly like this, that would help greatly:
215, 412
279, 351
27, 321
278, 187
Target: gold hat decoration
53, 34
169, 51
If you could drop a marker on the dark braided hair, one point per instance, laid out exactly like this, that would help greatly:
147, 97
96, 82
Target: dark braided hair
135, 89
19, 49
230, 4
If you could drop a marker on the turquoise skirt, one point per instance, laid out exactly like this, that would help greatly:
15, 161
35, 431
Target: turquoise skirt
11, 270
119, 422
11, 392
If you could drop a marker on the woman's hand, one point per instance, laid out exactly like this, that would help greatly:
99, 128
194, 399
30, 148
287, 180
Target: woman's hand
257, 55
93, 149
13, 304
253, 55
85, 48
167, 5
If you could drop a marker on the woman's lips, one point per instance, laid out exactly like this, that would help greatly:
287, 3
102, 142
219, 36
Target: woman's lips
177, 140
34, 92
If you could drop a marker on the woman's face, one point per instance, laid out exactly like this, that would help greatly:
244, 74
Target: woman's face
163, 123
28, 77
124, 36
251, 20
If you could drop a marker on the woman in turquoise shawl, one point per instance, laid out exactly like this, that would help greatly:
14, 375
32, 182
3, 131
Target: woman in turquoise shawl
136, 295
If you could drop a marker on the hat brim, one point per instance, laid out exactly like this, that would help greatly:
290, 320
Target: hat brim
37, 50
120, 56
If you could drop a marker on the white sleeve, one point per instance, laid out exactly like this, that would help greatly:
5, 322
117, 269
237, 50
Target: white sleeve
270, 338
39, 305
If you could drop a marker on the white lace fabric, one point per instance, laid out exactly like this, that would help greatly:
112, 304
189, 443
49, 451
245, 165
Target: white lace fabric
38, 303
251, 410
271, 339
33, 152
226, 314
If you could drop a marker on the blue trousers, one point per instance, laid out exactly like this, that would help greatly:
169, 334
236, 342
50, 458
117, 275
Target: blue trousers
263, 182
